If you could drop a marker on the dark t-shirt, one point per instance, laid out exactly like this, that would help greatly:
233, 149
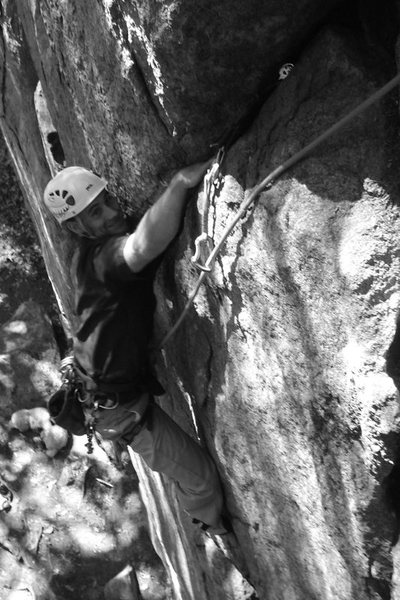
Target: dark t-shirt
114, 310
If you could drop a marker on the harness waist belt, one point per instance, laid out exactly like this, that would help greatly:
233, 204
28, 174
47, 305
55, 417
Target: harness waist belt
148, 383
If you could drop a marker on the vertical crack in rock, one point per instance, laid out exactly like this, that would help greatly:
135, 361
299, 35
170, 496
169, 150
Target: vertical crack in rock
392, 481
123, 25
4, 64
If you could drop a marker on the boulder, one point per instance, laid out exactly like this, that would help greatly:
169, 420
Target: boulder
28, 364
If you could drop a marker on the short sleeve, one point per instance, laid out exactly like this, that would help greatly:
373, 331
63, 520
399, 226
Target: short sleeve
110, 265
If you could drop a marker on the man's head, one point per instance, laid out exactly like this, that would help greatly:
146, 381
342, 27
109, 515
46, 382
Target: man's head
78, 198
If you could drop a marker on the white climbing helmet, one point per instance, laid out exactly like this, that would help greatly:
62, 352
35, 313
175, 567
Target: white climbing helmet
71, 191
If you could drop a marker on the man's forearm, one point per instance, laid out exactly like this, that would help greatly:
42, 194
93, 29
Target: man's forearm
157, 228
161, 222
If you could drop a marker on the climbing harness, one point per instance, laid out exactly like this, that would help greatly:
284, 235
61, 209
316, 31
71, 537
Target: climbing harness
76, 393
267, 183
74, 405
213, 182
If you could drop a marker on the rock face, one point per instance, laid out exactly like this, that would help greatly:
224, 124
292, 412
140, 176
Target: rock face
282, 358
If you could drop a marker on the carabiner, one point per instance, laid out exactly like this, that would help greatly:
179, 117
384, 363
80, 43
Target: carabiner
115, 405
204, 246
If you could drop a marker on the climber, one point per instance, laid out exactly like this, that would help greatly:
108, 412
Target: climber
109, 384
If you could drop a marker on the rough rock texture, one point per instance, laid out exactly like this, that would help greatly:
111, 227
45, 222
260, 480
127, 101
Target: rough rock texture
293, 327
282, 356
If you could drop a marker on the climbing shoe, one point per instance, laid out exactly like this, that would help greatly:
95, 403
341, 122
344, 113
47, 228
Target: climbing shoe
222, 528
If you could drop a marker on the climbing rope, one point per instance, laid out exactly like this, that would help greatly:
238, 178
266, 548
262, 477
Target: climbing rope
268, 183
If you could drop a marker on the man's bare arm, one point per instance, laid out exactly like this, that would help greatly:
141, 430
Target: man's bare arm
161, 222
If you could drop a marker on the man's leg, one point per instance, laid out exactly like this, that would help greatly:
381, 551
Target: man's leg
167, 449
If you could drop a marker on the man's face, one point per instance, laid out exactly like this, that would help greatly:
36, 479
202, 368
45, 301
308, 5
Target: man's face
103, 217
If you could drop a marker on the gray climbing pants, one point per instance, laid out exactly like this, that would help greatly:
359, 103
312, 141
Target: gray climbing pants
167, 449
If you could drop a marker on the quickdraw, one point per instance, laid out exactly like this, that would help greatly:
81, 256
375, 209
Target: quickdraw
213, 182
75, 380
69, 376
90, 433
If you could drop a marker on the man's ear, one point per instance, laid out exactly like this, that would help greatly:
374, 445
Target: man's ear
75, 226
